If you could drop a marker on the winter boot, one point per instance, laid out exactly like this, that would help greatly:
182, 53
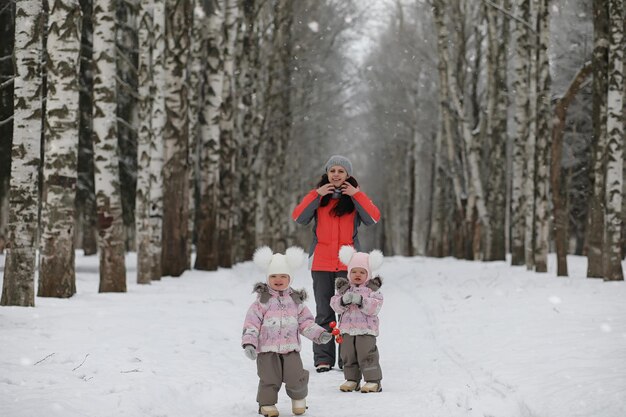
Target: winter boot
371, 387
322, 367
298, 406
349, 386
268, 410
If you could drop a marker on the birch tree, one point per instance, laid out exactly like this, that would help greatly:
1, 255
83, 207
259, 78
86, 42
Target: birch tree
595, 224
247, 125
106, 157
57, 270
85, 193
615, 142
7, 72
145, 140
206, 251
158, 120
176, 133
197, 57
544, 128
19, 270
498, 35
520, 86
226, 203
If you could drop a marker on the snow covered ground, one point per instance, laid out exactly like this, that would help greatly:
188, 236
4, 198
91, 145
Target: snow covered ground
457, 339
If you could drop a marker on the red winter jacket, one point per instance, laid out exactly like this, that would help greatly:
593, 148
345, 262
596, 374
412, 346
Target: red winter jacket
331, 232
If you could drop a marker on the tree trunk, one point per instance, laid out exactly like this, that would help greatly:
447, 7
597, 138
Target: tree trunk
175, 179
521, 87
196, 66
615, 143
559, 193
249, 145
531, 147
227, 210
106, 157
57, 271
595, 223
158, 120
18, 285
544, 129
207, 243
145, 139
85, 192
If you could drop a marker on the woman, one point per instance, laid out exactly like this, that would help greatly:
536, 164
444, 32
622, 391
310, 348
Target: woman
338, 206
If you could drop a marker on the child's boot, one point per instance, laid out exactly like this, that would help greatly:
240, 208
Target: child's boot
349, 386
372, 387
268, 410
298, 407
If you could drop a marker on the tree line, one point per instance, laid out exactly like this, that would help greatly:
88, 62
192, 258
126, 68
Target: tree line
163, 125
500, 114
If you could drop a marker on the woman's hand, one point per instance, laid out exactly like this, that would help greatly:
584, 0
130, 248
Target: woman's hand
326, 189
349, 189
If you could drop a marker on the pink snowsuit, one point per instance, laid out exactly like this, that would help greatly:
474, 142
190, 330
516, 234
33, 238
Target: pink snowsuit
359, 319
276, 319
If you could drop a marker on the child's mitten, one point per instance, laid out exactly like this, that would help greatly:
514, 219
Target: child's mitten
356, 299
346, 298
325, 338
250, 352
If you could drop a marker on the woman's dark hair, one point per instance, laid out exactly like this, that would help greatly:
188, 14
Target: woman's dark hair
345, 204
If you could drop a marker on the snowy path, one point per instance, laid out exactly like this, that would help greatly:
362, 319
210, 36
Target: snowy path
457, 339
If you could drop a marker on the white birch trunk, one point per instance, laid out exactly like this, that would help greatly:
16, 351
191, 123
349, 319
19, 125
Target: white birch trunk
196, 66
106, 157
57, 269
615, 143
544, 131
227, 207
521, 88
206, 252
18, 285
145, 139
531, 145
158, 120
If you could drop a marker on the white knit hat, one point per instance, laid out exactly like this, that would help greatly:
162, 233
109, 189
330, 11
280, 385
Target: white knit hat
277, 263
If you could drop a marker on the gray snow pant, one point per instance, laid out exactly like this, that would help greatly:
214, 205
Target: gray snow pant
360, 357
274, 369
323, 290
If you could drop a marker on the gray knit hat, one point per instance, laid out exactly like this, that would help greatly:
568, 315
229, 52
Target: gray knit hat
341, 161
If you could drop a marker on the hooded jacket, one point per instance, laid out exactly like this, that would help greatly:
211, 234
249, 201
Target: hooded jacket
362, 318
276, 319
331, 232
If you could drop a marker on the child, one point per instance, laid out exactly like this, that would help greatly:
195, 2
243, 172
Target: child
358, 301
272, 328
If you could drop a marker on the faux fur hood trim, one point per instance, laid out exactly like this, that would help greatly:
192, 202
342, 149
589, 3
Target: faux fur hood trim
375, 283
342, 284
261, 288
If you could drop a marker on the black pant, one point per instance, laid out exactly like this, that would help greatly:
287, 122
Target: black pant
324, 289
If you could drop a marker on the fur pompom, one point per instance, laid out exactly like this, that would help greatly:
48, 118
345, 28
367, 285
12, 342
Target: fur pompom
376, 259
262, 257
345, 254
295, 257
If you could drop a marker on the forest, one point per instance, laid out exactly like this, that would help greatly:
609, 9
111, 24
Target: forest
188, 130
